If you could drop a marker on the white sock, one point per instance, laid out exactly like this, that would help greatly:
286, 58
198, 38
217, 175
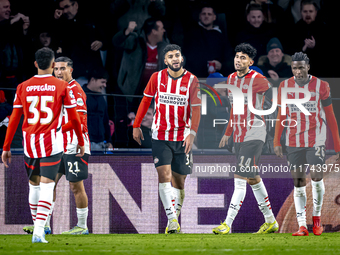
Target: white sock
82, 217
240, 188
48, 220
262, 199
165, 193
44, 207
300, 199
33, 199
177, 201
318, 190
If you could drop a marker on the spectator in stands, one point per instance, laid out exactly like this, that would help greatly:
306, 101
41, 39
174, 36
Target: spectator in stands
122, 13
5, 112
15, 49
204, 42
311, 36
257, 32
275, 64
272, 12
292, 9
79, 38
97, 114
142, 55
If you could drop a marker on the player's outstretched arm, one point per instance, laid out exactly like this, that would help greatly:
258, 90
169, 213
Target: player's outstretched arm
74, 119
224, 141
142, 109
333, 125
278, 132
12, 127
188, 142
6, 158
195, 121
138, 135
228, 132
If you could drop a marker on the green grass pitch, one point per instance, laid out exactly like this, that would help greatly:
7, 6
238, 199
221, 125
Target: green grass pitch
327, 243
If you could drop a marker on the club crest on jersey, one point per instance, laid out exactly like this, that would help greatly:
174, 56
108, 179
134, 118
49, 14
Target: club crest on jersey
71, 94
155, 160
245, 86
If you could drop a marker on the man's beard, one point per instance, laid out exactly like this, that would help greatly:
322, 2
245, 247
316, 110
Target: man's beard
175, 69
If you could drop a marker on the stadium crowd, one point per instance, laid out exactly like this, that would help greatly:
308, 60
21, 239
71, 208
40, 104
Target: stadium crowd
116, 45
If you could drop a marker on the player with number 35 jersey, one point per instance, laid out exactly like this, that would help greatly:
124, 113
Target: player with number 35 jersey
42, 98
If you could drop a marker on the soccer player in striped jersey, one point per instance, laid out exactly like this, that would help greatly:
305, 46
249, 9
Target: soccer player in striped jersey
306, 137
74, 168
249, 138
175, 123
41, 100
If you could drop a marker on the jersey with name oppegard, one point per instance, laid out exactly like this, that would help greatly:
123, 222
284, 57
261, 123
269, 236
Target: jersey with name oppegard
173, 101
42, 98
306, 130
249, 126
70, 137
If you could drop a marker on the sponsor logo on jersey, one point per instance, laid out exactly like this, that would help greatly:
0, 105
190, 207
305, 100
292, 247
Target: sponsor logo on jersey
183, 89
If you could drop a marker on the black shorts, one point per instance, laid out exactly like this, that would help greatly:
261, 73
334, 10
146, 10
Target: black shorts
248, 155
298, 157
46, 167
74, 168
172, 153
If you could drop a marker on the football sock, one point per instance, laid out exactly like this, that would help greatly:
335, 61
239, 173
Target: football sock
166, 194
44, 207
240, 188
300, 199
318, 190
82, 217
261, 195
48, 220
178, 198
33, 199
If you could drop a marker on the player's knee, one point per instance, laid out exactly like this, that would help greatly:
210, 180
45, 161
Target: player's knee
164, 173
253, 181
316, 179
76, 187
299, 182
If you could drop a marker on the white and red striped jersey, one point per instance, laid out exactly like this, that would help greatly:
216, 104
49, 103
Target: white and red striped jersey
306, 130
246, 126
173, 101
70, 137
42, 98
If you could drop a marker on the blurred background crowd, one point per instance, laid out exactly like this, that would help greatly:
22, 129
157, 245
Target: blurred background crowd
117, 44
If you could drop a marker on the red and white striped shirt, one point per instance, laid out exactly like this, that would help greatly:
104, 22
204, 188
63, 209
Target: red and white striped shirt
70, 137
245, 126
42, 98
173, 101
306, 130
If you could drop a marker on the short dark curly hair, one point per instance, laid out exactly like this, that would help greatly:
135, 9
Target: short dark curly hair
44, 58
246, 48
300, 56
171, 47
